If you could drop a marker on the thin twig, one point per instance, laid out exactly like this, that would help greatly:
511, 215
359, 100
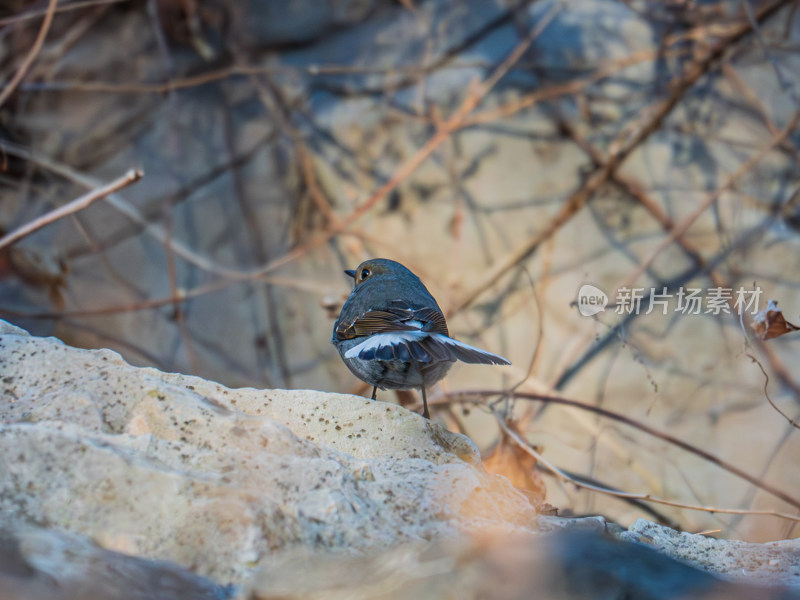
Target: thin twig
629, 495
786, 85
232, 71
680, 228
454, 396
34, 52
135, 215
619, 150
412, 72
791, 421
60, 9
76, 205
636, 192
455, 122
154, 303
179, 303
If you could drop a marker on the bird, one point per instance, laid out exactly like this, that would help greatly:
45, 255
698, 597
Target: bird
392, 334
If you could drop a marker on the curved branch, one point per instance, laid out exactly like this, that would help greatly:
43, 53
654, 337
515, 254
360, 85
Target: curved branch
604, 412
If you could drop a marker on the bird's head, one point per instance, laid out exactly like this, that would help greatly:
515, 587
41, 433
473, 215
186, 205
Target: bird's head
377, 269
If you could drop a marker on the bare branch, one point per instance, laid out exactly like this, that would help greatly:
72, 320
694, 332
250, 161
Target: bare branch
630, 495
34, 52
680, 228
76, 205
33, 14
628, 140
467, 394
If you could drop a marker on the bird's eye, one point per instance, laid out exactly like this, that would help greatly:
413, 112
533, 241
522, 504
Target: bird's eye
364, 274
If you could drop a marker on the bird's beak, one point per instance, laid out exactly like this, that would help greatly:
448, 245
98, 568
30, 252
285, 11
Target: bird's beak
350, 273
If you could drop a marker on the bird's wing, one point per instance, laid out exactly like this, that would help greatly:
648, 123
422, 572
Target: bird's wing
409, 333
421, 346
397, 317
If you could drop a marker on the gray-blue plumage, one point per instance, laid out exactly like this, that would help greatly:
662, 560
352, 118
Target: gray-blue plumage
392, 334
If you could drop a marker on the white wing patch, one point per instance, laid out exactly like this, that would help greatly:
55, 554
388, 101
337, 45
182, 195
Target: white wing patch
379, 340
421, 346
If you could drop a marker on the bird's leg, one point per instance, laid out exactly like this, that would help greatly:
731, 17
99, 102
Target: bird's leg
425, 412
374, 392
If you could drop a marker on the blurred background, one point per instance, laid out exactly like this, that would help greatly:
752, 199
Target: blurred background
506, 151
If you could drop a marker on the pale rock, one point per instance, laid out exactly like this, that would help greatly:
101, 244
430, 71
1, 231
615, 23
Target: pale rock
768, 563
177, 468
571, 564
45, 564
109, 471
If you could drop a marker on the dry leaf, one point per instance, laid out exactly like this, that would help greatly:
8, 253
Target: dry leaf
511, 461
769, 323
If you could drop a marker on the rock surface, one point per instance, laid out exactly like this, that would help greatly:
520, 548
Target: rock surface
117, 480
770, 562
176, 468
44, 564
573, 564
